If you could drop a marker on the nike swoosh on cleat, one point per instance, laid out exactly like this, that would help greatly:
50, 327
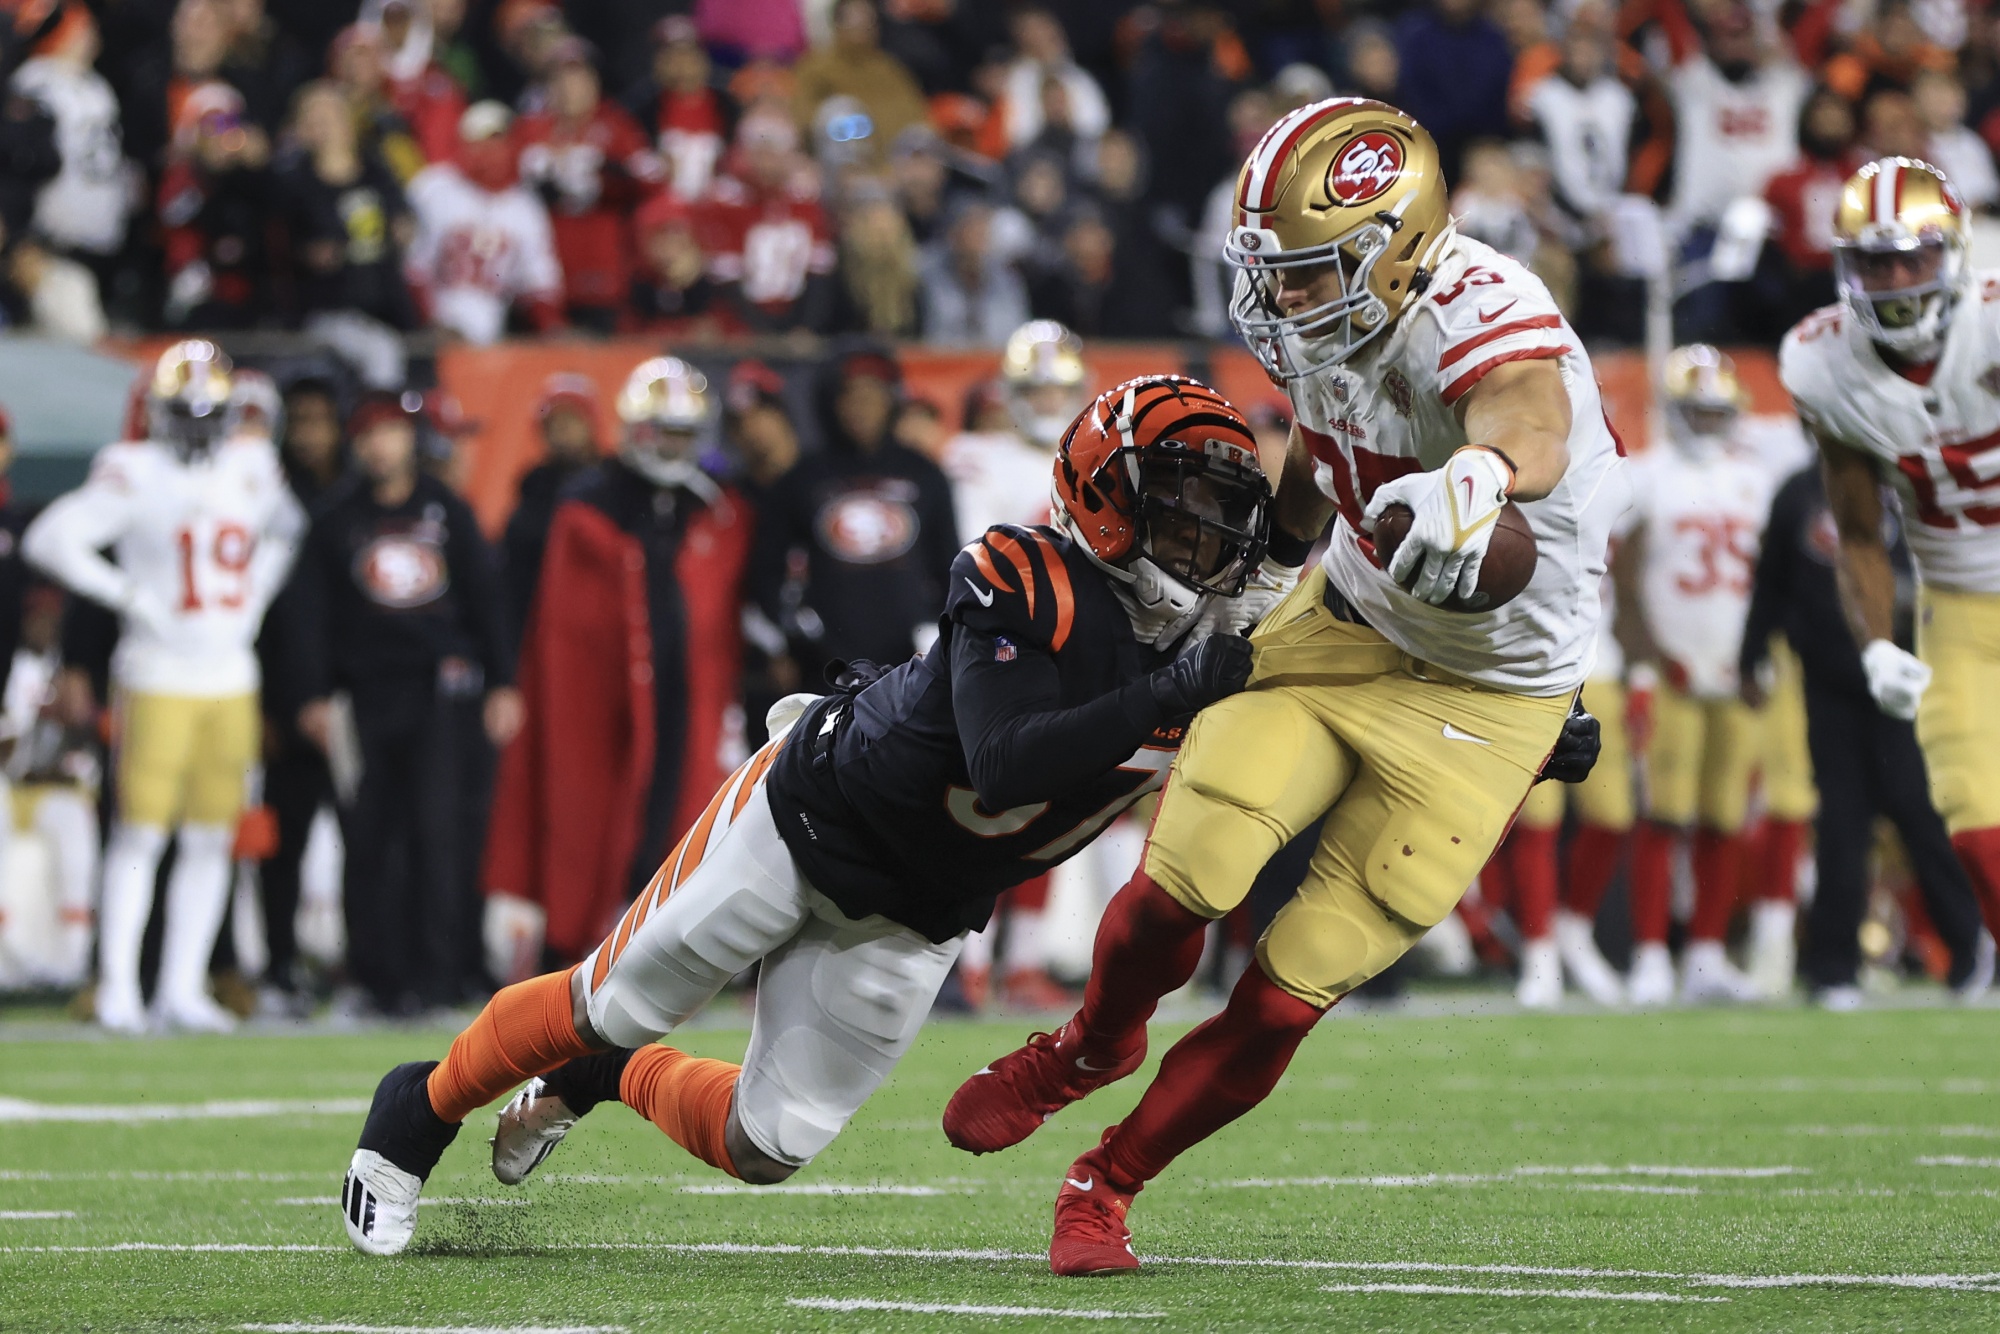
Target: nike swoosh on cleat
1084, 1184
1453, 734
985, 595
986, 1071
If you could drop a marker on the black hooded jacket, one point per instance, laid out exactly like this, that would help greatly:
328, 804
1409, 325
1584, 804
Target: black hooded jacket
853, 547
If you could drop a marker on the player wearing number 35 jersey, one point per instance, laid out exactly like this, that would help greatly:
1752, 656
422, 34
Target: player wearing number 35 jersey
1900, 383
852, 853
202, 529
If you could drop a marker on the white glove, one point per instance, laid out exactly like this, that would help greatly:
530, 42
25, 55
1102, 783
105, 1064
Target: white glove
145, 612
1896, 679
512, 933
1269, 584
1455, 508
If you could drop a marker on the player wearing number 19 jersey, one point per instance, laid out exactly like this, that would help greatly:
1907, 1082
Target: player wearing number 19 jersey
1900, 383
203, 529
854, 851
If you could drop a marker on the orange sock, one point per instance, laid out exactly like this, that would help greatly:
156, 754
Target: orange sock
685, 1096
524, 1031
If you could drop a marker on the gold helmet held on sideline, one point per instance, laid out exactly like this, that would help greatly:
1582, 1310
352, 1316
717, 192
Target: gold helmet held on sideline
1703, 396
1349, 187
1899, 253
1042, 375
188, 401
663, 406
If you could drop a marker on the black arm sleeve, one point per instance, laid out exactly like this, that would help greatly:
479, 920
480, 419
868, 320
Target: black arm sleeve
1019, 746
478, 576
1771, 584
308, 614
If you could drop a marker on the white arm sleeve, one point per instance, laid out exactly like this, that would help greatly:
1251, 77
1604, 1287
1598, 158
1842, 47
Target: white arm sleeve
277, 545
65, 540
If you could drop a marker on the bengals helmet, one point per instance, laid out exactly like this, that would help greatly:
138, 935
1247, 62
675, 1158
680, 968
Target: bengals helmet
1347, 187
1702, 395
1158, 479
663, 405
1899, 253
1042, 378
188, 401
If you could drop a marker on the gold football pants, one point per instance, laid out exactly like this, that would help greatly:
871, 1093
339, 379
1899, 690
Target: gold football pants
185, 758
1604, 799
1789, 793
1419, 773
1958, 723
1701, 760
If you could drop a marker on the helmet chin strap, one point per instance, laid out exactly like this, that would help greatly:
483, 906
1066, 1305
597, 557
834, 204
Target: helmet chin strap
1160, 607
683, 473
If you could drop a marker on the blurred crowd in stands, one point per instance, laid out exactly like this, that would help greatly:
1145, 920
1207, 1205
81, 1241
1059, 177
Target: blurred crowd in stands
934, 169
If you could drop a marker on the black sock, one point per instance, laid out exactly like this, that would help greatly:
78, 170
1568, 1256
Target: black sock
402, 1126
589, 1080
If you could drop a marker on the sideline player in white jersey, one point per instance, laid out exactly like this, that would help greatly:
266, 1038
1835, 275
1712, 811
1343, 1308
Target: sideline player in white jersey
1900, 383
203, 529
1426, 370
1003, 477
1699, 505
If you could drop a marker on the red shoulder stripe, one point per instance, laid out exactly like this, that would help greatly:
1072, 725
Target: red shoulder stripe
1458, 388
1498, 331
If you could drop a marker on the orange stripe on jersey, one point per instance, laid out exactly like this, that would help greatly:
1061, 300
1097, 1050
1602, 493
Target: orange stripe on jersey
1512, 327
1059, 584
697, 839
984, 560
1011, 549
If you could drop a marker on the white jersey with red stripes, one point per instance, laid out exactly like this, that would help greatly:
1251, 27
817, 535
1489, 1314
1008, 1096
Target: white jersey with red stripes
997, 477
1699, 516
1937, 443
1391, 409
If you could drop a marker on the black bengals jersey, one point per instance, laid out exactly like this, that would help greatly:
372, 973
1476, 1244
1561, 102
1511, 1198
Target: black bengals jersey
1024, 731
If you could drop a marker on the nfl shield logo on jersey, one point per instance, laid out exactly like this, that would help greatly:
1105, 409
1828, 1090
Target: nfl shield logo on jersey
1003, 649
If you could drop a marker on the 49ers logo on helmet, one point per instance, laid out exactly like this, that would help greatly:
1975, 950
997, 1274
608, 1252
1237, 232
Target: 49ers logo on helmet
1368, 165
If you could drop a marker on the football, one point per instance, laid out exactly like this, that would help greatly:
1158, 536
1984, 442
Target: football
1509, 563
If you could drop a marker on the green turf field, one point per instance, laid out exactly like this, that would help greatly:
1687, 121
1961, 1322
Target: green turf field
1770, 1170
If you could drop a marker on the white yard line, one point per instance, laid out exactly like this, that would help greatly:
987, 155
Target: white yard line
1633, 1188
20, 1109
1954, 1160
442, 1199
1985, 1282
23, 1215
434, 1329
816, 1188
1575, 1294
1391, 1181
963, 1308
170, 1176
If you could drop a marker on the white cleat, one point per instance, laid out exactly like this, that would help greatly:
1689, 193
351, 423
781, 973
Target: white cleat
1839, 1000
1652, 980
1541, 984
1448, 947
1980, 980
1707, 975
197, 1013
532, 1123
378, 1202
1774, 947
121, 1012
1586, 965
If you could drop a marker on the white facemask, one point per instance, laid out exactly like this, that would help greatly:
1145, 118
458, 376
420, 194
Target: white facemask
1160, 607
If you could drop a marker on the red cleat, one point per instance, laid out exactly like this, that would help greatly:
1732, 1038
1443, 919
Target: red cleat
1090, 1234
1007, 1101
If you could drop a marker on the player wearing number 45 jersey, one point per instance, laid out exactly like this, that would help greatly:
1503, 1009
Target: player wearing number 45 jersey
1900, 383
853, 852
1429, 372
203, 528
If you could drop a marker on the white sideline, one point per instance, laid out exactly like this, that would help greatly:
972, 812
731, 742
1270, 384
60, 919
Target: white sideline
20, 1109
1581, 1294
1987, 1282
961, 1308
435, 1329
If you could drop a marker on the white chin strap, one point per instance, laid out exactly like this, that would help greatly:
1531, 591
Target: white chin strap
683, 473
1161, 607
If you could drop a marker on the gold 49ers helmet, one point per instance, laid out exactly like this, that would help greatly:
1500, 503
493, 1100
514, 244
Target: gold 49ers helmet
1702, 394
663, 405
1899, 243
1042, 373
188, 401
1347, 189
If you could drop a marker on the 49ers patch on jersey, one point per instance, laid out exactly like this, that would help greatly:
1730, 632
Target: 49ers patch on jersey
870, 526
402, 570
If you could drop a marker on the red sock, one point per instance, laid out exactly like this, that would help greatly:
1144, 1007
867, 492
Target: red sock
1210, 1077
525, 1030
1979, 852
1652, 880
1779, 858
1533, 854
1147, 945
1593, 860
1718, 865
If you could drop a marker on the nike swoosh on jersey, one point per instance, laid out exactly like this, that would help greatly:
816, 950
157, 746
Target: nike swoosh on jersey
1084, 1184
1488, 319
1453, 734
985, 595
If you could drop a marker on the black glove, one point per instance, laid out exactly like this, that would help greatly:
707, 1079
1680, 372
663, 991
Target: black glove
1214, 669
1576, 749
